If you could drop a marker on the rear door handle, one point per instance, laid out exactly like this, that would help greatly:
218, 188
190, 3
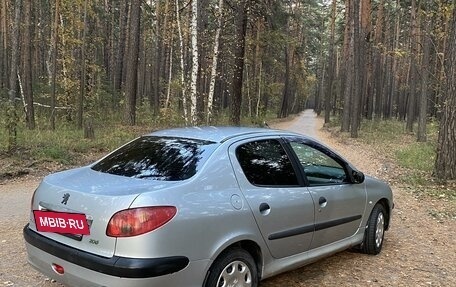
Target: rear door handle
264, 208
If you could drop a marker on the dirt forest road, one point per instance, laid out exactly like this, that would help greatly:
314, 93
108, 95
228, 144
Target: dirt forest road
419, 250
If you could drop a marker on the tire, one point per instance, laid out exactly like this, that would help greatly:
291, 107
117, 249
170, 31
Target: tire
234, 267
375, 231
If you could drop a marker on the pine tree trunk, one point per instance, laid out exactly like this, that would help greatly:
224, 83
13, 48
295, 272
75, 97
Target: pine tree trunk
239, 50
83, 88
395, 65
329, 83
320, 93
377, 91
54, 63
366, 56
11, 120
27, 66
3, 45
283, 111
357, 86
422, 117
121, 46
348, 64
131, 82
411, 104
445, 165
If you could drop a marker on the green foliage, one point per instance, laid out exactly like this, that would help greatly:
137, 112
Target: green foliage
417, 156
389, 137
381, 132
53, 153
66, 144
415, 160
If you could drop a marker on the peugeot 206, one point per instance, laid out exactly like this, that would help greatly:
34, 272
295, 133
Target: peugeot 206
210, 206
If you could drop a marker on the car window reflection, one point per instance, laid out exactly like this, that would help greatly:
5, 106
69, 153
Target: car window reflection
320, 169
266, 163
157, 158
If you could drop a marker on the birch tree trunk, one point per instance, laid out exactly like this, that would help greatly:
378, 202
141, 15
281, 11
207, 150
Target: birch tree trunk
182, 77
11, 120
210, 97
257, 110
170, 75
194, 74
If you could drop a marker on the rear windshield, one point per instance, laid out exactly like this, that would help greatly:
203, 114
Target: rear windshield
157, 158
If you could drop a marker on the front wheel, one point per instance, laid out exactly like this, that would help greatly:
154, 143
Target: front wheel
375, 231
233, 268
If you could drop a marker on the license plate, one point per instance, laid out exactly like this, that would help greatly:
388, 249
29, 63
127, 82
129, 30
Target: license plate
61, 222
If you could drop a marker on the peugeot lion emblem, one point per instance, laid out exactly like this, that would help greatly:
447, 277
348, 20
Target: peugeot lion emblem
66, 196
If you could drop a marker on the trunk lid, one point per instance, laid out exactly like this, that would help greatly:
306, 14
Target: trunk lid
95, 194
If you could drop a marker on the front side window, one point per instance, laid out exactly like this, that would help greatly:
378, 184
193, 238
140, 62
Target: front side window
320, 169
266, 163
158, 158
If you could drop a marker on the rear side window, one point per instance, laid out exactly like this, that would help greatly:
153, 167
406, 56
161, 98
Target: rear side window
158, 158
265, 162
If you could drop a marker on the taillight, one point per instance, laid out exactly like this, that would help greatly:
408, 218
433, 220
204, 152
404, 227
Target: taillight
136, 221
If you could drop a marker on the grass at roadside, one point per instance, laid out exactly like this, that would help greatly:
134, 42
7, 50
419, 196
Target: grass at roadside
415, 160
43, 150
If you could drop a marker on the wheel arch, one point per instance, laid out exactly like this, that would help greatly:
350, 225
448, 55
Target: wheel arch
387, 205
248, 245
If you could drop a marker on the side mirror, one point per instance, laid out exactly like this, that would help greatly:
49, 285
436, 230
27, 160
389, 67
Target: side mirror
358, 177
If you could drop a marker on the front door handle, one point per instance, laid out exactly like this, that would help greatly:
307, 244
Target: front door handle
322, 201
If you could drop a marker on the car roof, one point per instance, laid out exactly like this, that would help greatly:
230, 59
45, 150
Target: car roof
216, 134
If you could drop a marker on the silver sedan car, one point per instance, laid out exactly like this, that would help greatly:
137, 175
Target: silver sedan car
212, 206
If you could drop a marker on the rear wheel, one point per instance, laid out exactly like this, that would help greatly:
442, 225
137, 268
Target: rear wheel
375, 231
233, 268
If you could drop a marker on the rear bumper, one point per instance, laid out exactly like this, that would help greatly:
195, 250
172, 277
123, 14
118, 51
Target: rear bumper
86, 269
117, 266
